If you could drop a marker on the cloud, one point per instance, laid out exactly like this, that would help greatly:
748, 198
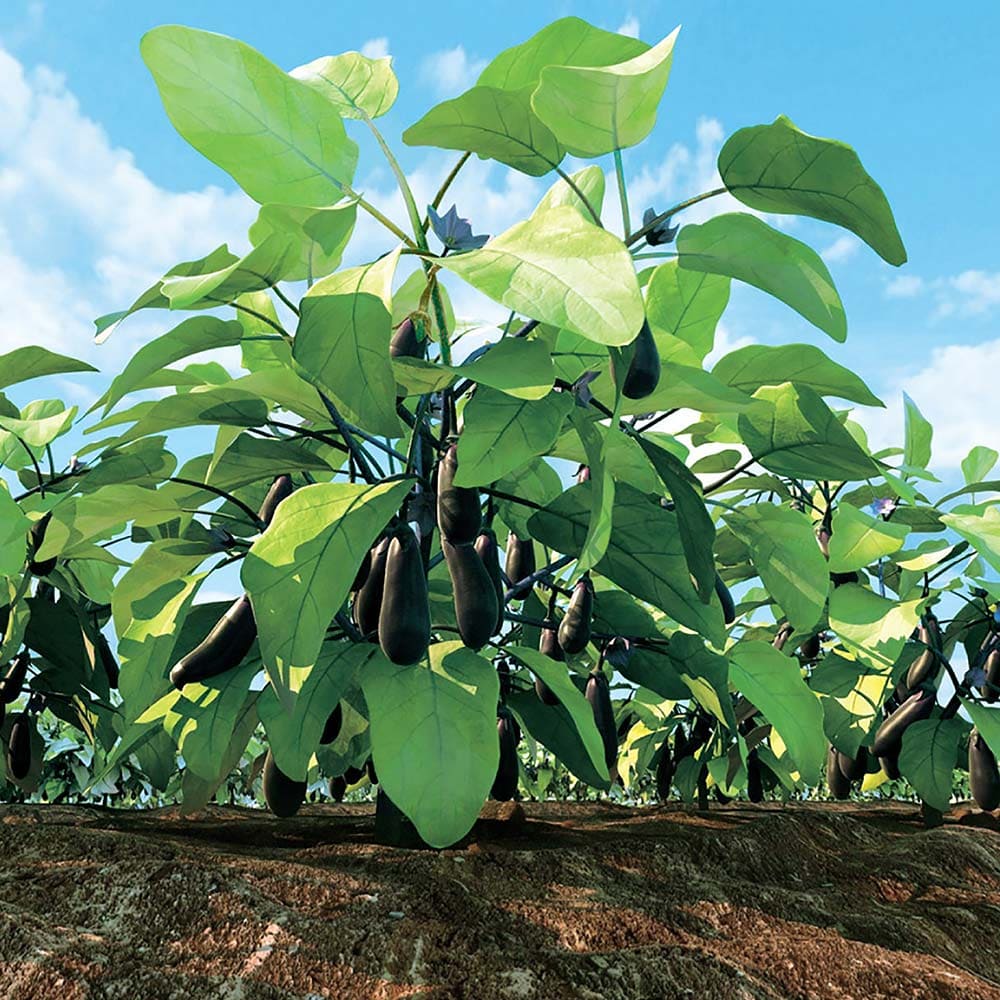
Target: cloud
961, 418
376, 48
630, 27
906, 286
841, 249
977, 292
450, 71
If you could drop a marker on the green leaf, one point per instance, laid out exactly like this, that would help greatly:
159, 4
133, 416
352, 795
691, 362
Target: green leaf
192, 336
38, 425
785, 554
434, 742
859, 539
357, 86
250, 460
13, 531
773, 683
705, 674
496, 124
299, 572
589, 180
569, 725
538, 483
779, 168
567, 41
929, 756
26, 363
986, 720
501, 433
521, 368
684, 386
293, 737
799, 435
918, 434
598, 109
977, 465
560, 269
756, 365
275, 136
321, 236
743, 247
697, 528
873, 628
686, 304
645, 555
342, 343
980, 526
852, 693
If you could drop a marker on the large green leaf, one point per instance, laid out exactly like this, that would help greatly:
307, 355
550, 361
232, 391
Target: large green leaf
434, 737
929, 757
561, 269
564, 728
917, 437
873, 628
41, 422
686, 304
749, 368
13, 531
501, 433
26, 363
779, 168
595, 110
293, 737
278, 139
645, 555
980, 526
799, 435
773, 683
785, 554
299, 572
356, 85
199, 333
567, 41
320, 236
743, 247
342, 343
496, 124
696, 525
859, 539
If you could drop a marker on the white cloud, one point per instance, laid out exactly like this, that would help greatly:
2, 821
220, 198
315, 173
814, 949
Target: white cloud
376, 48
841, 249
906, 286
450, 71
630, 27
977, 292
960, 418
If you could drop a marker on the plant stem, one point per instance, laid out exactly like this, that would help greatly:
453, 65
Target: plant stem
376, 214
729, 476
352, 446
284, 298
679, 207
34, 462
265, 319
576, 190
443, 190
500, 495
235, 501
623, 194
553, 567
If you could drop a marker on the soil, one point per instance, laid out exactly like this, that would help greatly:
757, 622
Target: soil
551, 901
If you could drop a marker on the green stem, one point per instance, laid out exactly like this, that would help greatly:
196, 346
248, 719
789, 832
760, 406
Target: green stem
729, 476
443, 190
376, 214
623, 194
403, 184
679, 207
265, 319
284, 298
576, 190
249, 511
34, 462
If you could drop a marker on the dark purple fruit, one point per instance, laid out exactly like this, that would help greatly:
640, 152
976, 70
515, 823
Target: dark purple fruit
280, 489
489, 552
222, 649
839, 785
459, 511
108, 661
474, 594
755, 780
505, 783
984, 778
726, 600
405, 343
925, 666
812, 647
337, 787
665, 770
853, 768
36, 537
331, 729
643, 373
284, 797
519, 562
574, 629
889, 734
598, 693
19, 747
368, 599
404, 623
13, 681
991, 689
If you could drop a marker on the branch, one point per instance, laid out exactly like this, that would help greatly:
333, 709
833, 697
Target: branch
729, 476
679, 207
249, 511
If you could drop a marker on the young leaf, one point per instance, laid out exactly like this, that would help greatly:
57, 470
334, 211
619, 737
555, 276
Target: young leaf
274, 135
357, 86
859, 539
918, 435
873, 628
589, 180
743, 247
779, 168
596, 110
976, 466
434, 742
320, 237
13, 529
980, 526
560, 269
686, 304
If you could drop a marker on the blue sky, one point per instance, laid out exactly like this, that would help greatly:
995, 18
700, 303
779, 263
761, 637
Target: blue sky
98, 195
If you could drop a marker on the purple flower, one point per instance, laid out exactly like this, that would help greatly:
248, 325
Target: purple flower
663, 233
453, 232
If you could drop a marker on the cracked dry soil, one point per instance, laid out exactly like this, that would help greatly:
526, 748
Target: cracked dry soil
558, 901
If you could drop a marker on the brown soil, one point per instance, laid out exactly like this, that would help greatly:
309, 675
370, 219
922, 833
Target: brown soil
569, 901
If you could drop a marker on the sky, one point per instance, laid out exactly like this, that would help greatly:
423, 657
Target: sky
98, 195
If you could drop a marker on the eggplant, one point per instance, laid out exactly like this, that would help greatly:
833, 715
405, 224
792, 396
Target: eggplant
332, 726
284, 797
367, 605
574, 629
837, 782
889, 734
489, 552
598, 694
459, 509
224, 648
281, 489
505, 783
404, 622
984, 778
19, 747
474, 594
519, 563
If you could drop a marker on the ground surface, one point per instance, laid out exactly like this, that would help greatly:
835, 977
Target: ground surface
574, 901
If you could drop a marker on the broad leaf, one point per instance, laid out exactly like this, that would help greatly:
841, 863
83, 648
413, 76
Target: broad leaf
596, 110
13, 530
342, 343
356, 85
26, 363
979, 525
321, 236
278, 139
779, 168
743, 247
874, 628
773, 683
929, 757
299, 572
434, 737
756, 365
686, 304
978, 464
602, 487
859, 539
560, 269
